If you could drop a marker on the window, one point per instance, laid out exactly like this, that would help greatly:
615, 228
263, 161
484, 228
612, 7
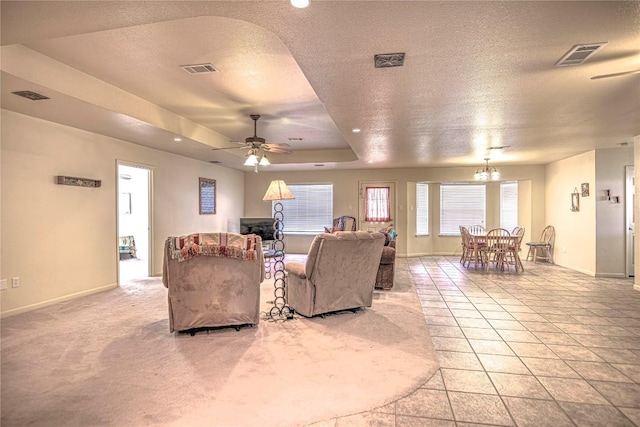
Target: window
422, 209
310, 211
508, 205
461, 204
377, 207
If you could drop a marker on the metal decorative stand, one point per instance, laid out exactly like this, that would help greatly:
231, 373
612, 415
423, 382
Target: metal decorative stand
280, 309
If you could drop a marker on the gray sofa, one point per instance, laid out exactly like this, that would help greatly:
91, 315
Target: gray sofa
213, 279
339, 273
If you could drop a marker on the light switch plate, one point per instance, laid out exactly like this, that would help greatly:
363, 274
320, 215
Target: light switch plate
3, 284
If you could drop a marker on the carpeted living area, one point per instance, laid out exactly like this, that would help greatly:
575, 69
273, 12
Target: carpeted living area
109, 359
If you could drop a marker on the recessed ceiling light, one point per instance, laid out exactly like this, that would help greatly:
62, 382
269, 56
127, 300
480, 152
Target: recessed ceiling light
177, 139
300, 4
355, 130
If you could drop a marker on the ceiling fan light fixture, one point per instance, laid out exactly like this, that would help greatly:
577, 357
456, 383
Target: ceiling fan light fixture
252, 159
264, 160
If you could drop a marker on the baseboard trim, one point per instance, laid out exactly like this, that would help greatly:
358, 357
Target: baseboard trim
429, 254
42, 304
612, 275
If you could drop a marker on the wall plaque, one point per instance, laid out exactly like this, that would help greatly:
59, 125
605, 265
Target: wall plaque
78, 182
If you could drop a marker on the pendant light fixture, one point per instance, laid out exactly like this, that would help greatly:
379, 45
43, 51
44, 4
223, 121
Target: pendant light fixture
486, 172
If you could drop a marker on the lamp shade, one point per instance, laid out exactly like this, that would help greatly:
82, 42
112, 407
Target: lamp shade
252, 160
264, 160
278, 190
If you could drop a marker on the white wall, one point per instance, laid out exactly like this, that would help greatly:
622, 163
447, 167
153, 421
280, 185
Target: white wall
610, 217
62, 240
531, 206
575, 242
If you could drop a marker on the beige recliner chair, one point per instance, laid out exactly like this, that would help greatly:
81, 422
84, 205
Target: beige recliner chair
339, 274
213, 280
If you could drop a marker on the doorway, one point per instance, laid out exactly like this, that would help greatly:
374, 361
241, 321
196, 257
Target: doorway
134, 224
630, 219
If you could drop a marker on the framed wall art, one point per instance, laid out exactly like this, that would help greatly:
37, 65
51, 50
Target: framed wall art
575, 201
585, 189
207, 198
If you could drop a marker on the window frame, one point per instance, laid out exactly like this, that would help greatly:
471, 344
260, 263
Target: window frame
322, 198
422, 205
461, 200
509, 185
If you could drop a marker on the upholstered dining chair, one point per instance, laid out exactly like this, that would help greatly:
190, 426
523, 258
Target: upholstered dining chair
543, 249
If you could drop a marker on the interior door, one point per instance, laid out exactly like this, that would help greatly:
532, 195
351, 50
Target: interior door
362, 205
630, 219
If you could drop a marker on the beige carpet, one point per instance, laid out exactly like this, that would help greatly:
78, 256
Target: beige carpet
109, 359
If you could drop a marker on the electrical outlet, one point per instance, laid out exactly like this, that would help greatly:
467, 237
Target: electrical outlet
15, 282
3, 284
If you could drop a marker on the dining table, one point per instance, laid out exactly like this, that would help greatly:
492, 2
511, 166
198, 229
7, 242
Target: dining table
501, 246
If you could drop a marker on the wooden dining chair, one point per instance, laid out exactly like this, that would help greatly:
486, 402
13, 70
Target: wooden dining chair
543, 249
496, 250
476, 230
516, 246
463, 243
473, 246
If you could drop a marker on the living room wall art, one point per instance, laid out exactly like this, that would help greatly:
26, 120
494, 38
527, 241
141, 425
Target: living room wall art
207, 199
78, 182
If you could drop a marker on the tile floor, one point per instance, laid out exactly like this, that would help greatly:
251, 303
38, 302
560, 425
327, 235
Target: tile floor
547, 347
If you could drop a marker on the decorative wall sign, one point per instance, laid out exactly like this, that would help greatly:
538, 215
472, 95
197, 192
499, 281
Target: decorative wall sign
207, 196
585, 189
78, 182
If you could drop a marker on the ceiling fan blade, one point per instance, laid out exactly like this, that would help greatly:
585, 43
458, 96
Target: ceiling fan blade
276, 145
277, 150
229, 148
623, 73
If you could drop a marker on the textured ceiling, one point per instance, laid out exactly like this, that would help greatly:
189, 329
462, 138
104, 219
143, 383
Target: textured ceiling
476, 75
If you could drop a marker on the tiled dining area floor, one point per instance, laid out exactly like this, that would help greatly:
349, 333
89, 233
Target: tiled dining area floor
546, 347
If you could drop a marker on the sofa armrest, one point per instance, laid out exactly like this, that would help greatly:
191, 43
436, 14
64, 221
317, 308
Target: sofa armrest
295, 268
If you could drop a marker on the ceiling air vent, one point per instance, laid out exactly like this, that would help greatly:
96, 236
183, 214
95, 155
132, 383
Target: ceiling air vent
30, 95
215, 162
384, 60
199, 68
579, 53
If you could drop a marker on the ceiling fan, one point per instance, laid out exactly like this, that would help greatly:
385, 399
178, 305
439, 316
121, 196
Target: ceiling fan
258, 143
623, 73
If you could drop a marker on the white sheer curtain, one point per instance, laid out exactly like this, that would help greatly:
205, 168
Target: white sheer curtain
377, 204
